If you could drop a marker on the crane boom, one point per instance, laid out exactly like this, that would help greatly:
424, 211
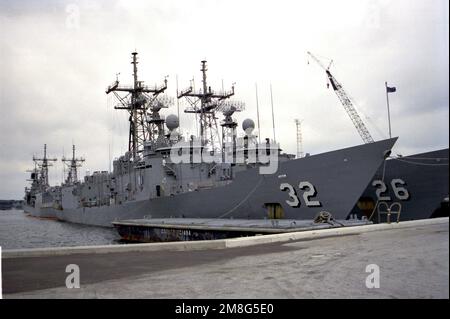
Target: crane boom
346, 102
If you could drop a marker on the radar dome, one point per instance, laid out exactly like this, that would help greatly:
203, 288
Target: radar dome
248, 124
172, 122
229, 111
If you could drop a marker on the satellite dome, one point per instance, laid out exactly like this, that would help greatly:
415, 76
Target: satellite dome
229, 111
248, 124
172, 122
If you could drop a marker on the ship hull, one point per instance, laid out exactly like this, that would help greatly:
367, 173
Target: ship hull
422, 185
301, 188
40, 212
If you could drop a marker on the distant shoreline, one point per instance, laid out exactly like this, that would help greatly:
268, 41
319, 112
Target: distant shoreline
8, 204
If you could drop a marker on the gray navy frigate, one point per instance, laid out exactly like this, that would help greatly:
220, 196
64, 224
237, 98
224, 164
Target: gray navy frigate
220, 174
417, 185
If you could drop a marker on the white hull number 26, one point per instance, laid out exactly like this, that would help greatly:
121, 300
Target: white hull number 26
397, 185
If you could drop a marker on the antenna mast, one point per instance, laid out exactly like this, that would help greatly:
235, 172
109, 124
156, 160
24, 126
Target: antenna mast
138, 99
73, 164
273, 117
44, 163
205, 103
257, 113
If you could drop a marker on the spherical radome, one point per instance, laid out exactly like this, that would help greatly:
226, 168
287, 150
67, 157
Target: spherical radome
172, 122
229, 111
248, 124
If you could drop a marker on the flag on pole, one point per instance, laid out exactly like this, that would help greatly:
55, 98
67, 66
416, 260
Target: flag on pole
390, 89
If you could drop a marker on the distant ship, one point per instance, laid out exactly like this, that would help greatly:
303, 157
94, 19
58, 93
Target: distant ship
217, 175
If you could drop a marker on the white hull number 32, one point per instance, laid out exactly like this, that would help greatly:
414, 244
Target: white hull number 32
308, 194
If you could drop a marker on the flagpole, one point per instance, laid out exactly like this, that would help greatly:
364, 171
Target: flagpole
389, 114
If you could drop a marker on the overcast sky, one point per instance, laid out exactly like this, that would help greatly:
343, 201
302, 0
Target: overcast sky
57, 57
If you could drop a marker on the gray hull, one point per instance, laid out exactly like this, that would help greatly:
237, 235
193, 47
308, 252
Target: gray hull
339, 178
425, 178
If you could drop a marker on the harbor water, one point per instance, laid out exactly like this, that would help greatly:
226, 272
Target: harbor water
18, 230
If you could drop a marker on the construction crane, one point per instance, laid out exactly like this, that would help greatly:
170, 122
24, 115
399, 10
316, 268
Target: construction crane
346, 102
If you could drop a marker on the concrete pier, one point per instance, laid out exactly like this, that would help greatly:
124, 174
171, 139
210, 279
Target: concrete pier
412, 258
187, 229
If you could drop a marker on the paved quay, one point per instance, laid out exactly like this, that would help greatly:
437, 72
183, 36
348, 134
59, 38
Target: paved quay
413, 262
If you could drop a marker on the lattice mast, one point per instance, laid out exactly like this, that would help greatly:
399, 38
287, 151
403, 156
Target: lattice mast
346, 102
204, 104
137, 101
43, 163
72, 164
298, 125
